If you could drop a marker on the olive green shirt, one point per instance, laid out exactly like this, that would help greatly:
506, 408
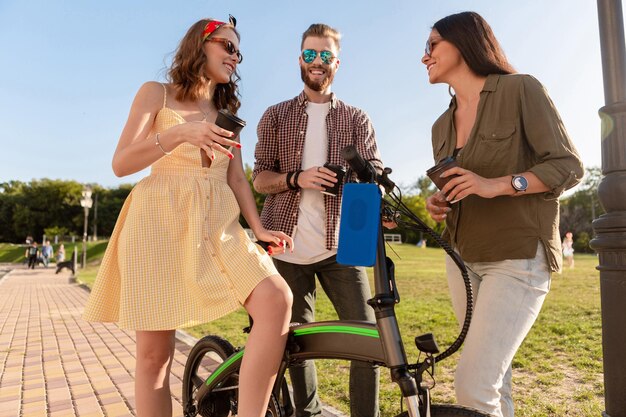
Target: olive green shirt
517, 129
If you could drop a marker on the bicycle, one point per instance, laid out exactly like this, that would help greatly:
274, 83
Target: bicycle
211, 376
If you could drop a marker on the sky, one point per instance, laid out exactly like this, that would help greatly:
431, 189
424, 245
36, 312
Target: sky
70, 70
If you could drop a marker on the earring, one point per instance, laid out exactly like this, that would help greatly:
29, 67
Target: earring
450, 91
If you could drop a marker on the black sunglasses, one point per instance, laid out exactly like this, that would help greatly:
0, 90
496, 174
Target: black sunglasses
228, 46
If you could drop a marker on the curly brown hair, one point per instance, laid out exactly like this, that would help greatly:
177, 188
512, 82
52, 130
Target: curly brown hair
187, 72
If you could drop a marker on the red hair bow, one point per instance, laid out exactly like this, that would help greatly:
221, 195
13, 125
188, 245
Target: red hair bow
214, 25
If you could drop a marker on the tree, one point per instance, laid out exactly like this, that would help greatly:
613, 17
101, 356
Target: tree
9, 194
56, 231
40, 204
424, 187
53, 206
580, 209
110, 202
414, 197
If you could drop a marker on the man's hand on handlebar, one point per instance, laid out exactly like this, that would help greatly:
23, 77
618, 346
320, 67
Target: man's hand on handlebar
389, 224
389, 218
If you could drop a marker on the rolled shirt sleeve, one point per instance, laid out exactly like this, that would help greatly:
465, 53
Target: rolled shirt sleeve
558, 165
365, 140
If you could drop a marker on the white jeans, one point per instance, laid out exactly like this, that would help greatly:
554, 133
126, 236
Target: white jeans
507, 298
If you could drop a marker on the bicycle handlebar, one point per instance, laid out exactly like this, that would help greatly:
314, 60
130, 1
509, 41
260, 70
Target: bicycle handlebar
365, 171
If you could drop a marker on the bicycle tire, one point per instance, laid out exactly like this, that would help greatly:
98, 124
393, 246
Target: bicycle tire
450, 410
198, 369
205, 356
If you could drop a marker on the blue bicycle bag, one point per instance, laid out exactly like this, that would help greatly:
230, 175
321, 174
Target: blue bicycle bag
360, 223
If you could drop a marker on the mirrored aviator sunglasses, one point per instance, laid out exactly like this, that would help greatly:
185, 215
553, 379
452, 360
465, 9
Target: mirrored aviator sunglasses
309, 55
228, 46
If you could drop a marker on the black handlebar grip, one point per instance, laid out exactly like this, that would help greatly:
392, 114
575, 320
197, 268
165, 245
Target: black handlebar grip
364, 171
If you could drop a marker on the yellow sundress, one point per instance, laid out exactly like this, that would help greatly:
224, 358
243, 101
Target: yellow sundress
178, 256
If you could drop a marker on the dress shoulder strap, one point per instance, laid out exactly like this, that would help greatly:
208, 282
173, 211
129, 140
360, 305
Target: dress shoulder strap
164, 95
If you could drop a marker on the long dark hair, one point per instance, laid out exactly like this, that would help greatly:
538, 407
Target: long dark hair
187, 72
473, 37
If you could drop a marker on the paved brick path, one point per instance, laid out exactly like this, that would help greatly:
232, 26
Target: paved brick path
53, 363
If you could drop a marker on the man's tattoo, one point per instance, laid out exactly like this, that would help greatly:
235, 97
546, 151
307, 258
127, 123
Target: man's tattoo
279, 187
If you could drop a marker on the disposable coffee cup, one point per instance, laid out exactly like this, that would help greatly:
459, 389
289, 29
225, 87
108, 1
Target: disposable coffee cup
340, 171
435, 172
225, 120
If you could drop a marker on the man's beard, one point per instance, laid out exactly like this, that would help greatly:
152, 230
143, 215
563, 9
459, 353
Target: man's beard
316, 85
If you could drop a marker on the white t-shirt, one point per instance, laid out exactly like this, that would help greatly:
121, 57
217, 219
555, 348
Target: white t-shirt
309, 235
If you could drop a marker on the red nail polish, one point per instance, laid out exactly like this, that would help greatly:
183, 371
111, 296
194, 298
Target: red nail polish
238, 146
230, 156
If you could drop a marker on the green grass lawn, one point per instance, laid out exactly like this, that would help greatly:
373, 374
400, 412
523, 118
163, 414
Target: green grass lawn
557, 372
12, 253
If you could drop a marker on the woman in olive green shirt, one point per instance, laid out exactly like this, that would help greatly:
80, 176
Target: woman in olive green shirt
501, 207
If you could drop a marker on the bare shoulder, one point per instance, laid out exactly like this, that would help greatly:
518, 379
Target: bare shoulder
149, 98
152, 91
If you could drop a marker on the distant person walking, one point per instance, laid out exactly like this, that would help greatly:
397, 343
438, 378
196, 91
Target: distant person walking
32, 253
187, 212
60, 253
568, 249
47, 252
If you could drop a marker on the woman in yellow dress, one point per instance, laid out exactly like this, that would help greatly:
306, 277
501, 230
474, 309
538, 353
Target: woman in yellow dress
178, 255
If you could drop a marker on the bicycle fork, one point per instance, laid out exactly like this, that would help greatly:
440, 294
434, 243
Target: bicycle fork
396, 360
383, 304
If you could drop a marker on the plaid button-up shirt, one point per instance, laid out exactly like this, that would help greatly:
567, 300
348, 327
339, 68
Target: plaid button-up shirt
281, 133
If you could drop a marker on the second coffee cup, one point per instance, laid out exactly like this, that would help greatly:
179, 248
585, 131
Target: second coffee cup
340, 171
435, 172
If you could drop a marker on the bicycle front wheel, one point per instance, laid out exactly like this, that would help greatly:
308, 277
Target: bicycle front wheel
205, 356
449, 410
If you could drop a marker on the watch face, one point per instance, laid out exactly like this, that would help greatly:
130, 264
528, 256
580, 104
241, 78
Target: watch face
520, 183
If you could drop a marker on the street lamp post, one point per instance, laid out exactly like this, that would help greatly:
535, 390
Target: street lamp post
610, 228
95, 218
86, 203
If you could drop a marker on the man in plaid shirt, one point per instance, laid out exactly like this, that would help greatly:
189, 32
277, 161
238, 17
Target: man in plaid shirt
296, 138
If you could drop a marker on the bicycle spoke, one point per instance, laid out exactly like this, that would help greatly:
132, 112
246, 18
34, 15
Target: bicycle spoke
205, 357
229, 388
